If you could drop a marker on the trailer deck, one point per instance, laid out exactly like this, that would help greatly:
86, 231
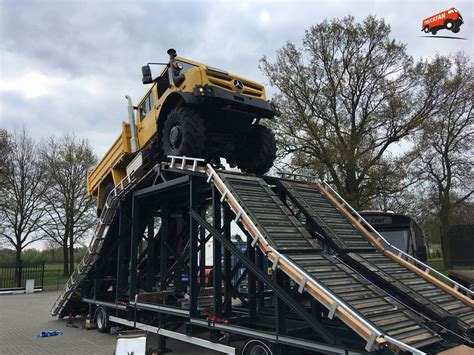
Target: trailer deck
333, 285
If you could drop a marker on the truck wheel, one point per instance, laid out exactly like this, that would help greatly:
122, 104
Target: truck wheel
183, 133
449, 24
455, 29
102, 320
433, 32
427, 29
259, 152
256, 347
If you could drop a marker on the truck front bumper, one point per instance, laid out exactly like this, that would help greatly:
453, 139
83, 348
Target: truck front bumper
234, 101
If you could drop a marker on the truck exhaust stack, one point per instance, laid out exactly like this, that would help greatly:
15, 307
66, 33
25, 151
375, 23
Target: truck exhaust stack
133, 127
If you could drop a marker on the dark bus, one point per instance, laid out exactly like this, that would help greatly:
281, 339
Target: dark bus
399, 230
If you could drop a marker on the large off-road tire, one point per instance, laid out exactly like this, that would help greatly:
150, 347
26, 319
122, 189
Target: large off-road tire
183, 134
259, 152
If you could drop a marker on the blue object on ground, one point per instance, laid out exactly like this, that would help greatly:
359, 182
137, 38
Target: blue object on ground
49, 333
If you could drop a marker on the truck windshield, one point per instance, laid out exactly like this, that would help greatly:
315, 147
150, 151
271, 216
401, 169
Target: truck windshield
398, 238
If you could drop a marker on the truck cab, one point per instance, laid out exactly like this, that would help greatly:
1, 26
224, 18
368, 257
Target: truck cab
189, 109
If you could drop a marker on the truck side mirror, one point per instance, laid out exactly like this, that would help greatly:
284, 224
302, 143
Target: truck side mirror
146, 72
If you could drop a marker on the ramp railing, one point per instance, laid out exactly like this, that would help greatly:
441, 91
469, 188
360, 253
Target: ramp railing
336, 306
427, 269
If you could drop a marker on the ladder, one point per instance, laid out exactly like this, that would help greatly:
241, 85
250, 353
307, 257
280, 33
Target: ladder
95, 246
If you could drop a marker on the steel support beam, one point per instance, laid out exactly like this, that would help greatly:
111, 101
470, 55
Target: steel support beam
193, 251
134, 240
148, 191
299, 310
227, 260
150, 259
217, 259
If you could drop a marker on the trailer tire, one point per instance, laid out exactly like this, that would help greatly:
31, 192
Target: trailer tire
183, 133
256, 347
259, 151
102, 320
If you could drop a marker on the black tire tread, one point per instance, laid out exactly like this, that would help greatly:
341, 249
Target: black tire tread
258, 156
195, 133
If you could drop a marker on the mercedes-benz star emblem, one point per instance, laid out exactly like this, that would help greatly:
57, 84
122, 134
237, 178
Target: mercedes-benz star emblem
238, 84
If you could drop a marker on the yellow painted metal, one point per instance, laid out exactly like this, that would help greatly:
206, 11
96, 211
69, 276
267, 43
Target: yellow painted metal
199, 75
115, 155
111, 168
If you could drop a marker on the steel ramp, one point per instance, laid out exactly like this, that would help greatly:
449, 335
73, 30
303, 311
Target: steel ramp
369, 311
428, 296
371, 302
436, 299
342, 234
274, 219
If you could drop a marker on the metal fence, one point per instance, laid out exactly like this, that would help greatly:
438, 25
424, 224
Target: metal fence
14, 276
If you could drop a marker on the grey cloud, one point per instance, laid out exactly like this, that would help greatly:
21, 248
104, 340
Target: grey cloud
104, 44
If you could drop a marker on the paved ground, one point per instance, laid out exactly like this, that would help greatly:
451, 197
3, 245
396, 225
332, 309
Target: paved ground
22, 317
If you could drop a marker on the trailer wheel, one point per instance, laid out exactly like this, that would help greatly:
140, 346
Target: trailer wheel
259, 151
256, 347
183, 133
102, 320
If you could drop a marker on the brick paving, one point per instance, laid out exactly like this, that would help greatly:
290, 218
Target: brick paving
23, 316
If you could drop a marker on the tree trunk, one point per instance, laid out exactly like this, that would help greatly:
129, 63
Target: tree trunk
65, 259
71, 252
444, 217
352, 193
18, 255
19, 267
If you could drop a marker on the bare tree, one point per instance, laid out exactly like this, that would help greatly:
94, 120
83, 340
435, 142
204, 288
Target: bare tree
443, 155
24, 184
346, 96
70, 211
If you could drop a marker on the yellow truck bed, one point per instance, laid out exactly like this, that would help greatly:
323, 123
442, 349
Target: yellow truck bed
111, 168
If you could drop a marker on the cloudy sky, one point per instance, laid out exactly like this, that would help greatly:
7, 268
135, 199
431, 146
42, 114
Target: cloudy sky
65, 66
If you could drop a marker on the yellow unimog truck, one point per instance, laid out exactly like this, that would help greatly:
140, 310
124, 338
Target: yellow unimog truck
195, 110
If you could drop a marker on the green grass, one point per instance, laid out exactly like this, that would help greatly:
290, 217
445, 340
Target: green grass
53, 275
438, 264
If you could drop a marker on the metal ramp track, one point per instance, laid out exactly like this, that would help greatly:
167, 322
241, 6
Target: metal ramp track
342, 233
283, 231
372, 303
95, 245
375, 336
417, 288
332, 217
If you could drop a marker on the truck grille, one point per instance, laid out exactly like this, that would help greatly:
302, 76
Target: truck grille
225, 82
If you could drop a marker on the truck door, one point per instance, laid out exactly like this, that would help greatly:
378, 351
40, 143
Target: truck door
146, 117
